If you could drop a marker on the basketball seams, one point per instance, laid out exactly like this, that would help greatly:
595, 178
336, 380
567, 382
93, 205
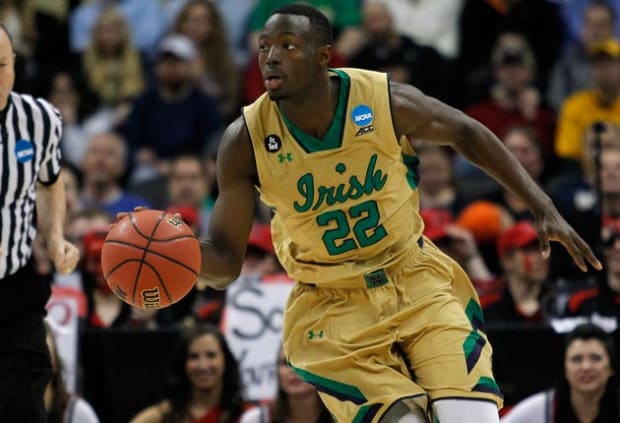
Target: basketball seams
137, 229
146, 250
161, 280
137, 247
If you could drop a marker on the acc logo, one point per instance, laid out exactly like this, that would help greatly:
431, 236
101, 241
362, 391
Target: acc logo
362, 115
24, 151
273, 143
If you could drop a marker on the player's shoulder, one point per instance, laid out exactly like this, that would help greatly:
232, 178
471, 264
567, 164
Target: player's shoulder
236, 131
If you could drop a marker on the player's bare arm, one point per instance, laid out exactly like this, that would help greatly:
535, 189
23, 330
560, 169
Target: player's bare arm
233, 213
422, 117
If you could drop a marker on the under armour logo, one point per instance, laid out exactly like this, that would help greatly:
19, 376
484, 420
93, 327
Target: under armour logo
287, 156
312, 334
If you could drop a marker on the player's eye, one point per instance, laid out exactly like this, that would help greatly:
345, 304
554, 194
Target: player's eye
262, 47
289, 46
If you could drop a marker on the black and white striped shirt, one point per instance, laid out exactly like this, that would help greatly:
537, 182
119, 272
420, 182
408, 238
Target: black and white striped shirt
30, 131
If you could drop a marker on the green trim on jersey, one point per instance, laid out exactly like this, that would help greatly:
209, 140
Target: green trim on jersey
333, 137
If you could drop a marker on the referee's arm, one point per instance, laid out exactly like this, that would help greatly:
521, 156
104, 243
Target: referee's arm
51, 204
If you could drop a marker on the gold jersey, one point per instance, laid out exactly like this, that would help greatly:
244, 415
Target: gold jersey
346, 205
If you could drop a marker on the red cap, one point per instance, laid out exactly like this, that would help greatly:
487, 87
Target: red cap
519, 235
260, 237
435, 221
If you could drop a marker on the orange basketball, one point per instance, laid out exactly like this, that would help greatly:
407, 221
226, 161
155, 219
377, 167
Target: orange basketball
151, 259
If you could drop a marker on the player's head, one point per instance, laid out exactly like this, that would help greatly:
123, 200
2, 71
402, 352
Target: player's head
7, 66
294, 48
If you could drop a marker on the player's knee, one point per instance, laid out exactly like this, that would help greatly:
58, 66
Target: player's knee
455, 410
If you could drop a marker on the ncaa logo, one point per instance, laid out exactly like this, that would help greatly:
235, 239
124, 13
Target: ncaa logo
24, 151
362, 115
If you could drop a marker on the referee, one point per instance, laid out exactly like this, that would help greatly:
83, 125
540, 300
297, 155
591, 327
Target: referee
29, 163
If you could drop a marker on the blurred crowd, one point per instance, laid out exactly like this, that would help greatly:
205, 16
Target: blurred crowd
145, 88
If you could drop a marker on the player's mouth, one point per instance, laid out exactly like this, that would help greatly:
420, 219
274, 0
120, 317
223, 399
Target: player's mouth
273, 82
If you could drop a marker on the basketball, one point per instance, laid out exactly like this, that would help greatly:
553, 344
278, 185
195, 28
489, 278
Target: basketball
150, 259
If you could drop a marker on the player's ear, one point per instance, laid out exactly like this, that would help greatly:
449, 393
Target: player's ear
325, 55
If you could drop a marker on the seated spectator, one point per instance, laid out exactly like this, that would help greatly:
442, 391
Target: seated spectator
136, 12
111, 64
174, 116
66, 96
572, 72
604, 299
514, 98
103, 167
205, 383
601, 103
437, 188
60, 405
485, 221
190, 185
588, 392
296, 401
218, 73
525, 272
456, 242
387, 50
523, 142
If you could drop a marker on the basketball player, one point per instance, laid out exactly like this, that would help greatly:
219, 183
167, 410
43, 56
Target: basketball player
387, 327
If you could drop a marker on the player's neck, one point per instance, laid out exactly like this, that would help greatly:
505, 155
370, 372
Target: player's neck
304, 409
313, 111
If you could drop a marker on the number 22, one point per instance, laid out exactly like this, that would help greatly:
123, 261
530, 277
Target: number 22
367, 230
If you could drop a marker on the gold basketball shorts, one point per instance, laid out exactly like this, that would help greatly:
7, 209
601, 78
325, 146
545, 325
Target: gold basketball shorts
408, 335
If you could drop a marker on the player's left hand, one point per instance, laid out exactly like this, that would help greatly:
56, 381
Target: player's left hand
64, 254
551, 226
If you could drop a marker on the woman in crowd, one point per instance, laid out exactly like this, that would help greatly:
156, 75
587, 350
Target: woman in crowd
60, 405
296, 401
588, 392
205, 385
219, 75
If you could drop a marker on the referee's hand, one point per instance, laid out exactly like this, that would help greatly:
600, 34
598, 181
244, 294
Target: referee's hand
64, 255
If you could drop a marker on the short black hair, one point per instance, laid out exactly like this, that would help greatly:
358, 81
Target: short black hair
319, 24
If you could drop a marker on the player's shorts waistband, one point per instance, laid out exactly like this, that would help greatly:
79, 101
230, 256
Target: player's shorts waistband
375, 278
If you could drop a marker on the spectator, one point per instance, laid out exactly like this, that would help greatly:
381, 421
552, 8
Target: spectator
173, 116
103, 167
600, 103
111, 64
60, 405
205, 384
514, 99
136, 12
260, 259
572, 72
218, 73
437, 188
588, 392
456, 242
482, 22
296, 401
525, 272
523, 142
189, 185
604, 299
66, 96
387, 50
